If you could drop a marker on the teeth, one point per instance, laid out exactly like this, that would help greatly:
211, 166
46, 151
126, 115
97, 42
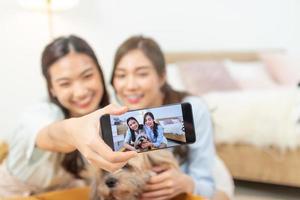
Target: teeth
134, 96
84, 102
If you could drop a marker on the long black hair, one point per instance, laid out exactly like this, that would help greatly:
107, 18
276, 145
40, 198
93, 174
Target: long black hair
154, 123
57, 49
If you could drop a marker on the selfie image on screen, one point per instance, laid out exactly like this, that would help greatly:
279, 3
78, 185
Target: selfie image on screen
148, 129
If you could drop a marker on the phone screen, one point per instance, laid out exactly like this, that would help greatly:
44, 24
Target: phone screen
150, 129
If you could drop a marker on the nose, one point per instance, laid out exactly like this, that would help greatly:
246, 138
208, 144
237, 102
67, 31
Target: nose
131, 83
79, 90
111, 182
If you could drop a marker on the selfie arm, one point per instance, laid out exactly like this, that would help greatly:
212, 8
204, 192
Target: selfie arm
127, 141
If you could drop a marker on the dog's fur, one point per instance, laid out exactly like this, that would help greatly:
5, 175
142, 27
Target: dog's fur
128, 182
141, 139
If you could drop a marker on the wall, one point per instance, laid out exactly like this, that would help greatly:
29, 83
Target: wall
176, 25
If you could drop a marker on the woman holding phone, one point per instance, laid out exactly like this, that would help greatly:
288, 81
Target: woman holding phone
54, 139
139, 80
156, 131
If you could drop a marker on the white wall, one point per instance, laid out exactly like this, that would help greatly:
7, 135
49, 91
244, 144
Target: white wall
177, 25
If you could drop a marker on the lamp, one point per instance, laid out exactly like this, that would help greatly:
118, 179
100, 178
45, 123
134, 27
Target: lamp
48, 6
44, 5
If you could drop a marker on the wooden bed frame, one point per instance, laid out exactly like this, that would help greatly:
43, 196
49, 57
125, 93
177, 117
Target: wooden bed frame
248, 162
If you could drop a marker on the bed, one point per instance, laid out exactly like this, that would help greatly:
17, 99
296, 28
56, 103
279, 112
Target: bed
248, 157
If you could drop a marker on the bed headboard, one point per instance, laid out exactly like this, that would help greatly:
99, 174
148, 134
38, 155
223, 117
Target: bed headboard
173, 57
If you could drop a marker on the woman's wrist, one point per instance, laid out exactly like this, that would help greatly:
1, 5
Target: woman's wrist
69, 125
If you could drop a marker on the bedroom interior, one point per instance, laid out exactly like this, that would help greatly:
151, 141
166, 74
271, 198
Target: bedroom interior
256, 125
243, 62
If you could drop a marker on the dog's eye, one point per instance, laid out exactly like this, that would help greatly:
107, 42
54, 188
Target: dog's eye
128, 167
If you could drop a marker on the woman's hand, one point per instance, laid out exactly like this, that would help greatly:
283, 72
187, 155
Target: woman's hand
146, 145
83, 134
167, 184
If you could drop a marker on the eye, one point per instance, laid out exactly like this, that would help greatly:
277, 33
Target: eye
128, 167
64, 85
143, 74
87, 76
120, 76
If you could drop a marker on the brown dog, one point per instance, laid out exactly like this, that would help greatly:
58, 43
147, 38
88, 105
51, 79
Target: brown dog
128, 182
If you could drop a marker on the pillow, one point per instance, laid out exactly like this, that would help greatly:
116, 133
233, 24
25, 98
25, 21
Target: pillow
250, 75
201, 77
284, 68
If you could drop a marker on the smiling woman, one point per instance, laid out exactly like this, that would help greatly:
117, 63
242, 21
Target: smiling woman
54, 139
139, 80
76, 83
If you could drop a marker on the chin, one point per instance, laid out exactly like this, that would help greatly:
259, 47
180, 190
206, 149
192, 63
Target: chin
135, 106
81, 112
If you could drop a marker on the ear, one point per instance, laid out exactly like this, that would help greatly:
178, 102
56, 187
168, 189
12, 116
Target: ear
94, 193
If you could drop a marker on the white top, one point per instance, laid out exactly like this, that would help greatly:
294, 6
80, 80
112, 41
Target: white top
201, 153
204, 165
29, 164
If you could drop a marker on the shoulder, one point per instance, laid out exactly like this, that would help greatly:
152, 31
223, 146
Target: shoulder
198, 104
159, 126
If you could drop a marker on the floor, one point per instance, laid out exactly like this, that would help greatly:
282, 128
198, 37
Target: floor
258, 191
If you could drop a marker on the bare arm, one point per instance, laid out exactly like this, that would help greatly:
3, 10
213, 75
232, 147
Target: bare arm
82, 133
55, 137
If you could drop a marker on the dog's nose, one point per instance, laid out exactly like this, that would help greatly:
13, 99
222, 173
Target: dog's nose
111, 182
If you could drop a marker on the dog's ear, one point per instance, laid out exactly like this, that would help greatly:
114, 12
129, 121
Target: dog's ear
161, 157
94, 192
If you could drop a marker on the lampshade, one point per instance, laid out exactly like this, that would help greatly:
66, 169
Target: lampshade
42, 5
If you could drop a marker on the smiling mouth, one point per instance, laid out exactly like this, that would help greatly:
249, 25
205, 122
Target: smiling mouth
133, 99
85, 104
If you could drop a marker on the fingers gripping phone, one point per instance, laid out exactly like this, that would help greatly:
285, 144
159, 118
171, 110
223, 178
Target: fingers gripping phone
149, 129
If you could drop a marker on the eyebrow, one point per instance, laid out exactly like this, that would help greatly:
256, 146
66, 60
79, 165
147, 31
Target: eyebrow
138, 68
82, 73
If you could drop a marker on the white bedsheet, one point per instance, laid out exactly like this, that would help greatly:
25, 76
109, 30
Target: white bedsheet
259, 117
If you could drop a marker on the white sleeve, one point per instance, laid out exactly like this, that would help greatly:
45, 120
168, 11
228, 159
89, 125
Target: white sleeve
223, 178
22, 145
202, 152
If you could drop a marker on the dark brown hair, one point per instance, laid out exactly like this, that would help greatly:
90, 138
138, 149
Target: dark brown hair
140, 126
150, 114
153, 52
54, 51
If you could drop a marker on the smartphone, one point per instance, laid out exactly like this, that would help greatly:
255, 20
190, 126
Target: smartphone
149, 129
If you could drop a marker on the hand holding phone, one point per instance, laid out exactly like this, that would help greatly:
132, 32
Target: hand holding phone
149, 129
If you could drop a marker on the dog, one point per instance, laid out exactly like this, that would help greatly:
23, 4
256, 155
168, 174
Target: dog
140, 140
128, 182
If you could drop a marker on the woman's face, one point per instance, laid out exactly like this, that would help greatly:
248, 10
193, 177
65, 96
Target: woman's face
136, 82
133, 125
149, 121
76, 83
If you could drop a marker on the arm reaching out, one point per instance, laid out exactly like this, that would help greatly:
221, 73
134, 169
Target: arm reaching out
82, 133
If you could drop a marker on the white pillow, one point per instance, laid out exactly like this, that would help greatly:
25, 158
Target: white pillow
249, 75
